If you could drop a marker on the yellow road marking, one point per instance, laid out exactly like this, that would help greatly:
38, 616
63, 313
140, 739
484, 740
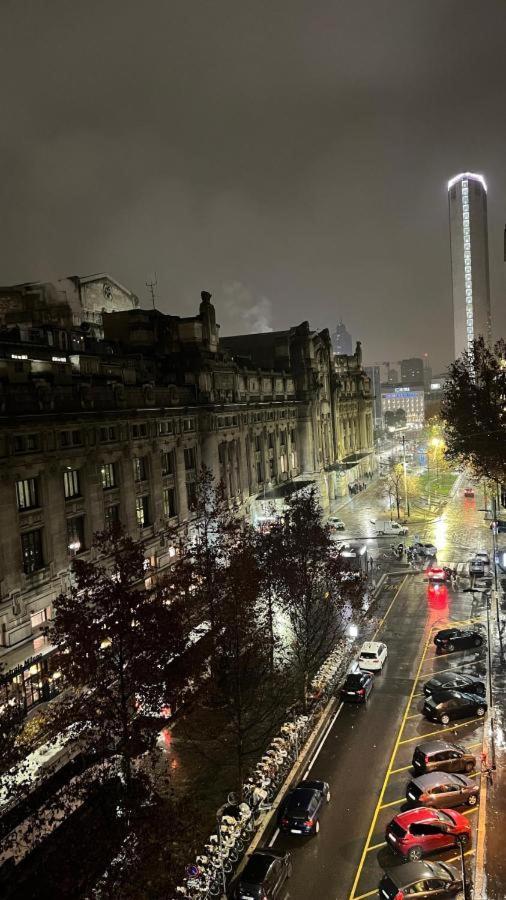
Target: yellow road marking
383, 620
393, 803
471, 810
402, 769
387, 776
375, 846
455, 858
369, 894
423, 737
449, 669
414, 716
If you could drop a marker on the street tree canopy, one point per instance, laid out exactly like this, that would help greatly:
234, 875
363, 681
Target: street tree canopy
474, 410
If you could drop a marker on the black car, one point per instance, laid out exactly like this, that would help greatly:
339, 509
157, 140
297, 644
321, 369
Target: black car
357, 687
450, 639
455, 681
448, 705
428, 550
477, 567
420, 879
264, 876
300, 811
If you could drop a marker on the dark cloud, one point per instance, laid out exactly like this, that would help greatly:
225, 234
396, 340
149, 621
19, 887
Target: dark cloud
289, 156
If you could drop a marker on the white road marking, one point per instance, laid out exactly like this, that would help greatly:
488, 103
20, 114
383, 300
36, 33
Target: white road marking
273, 838
323, 739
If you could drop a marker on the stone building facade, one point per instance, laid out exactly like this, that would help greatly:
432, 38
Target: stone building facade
119, 430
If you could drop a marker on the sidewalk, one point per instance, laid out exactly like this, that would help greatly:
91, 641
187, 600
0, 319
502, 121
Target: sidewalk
490, 882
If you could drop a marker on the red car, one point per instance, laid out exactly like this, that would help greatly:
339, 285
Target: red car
420, 831
435, 573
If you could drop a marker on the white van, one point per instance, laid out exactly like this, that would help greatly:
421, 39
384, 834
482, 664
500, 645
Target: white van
388, 527
372, 656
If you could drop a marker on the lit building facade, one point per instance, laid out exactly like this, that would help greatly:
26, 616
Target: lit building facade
411, 400
117, 430
467, 198
341, 340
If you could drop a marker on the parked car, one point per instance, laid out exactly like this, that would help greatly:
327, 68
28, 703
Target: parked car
442, 789
477, 567
336, 524
448, 705
484, 556
468, 492
436, 756
357, 687
264, 876
451, 639
300, 811
420, 879
458, 681
500, 525
420, 831
428, 550
373, 655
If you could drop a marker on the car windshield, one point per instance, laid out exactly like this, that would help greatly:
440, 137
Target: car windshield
444, 817
397, 829
368, 655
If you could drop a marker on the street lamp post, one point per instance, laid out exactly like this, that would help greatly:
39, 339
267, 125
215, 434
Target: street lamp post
406, 502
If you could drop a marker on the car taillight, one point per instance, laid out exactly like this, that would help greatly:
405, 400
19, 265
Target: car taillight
427, 759
308, 823
423, 798
361, 692
399, 895
285, 822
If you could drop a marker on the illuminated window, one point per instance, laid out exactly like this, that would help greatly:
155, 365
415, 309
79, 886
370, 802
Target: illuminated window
108, 475
140, 469
142, 511
169, 502
27, 494
71, 484
31, 549
75, 535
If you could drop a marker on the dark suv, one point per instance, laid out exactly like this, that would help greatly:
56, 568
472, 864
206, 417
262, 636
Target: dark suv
450, 639
264, 876
436, 756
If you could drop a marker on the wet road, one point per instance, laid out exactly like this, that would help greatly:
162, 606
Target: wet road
366, 756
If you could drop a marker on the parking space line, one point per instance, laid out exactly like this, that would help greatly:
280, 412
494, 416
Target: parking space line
369, 894
402, 769
414, 716
273, 838
386, 779
423, 737
470, 811
455, 858
375, 846
449, 669
393, 803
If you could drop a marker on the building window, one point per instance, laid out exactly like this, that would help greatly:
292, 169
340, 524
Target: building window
108, 434
271, 440
140, 468
26, 443
39, 618
71, 483
108, 475
31, 548
75, 535
190, 459
166, 427
258, 442
71, 438
111, 516
168, 462
169, 502
191, 493
142, 510
189, 424
260, 476
140, 430
27, 494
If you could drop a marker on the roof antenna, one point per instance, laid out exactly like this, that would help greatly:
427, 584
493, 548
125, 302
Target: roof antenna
151, 285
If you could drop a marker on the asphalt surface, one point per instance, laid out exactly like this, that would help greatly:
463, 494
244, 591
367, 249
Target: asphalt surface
367, 754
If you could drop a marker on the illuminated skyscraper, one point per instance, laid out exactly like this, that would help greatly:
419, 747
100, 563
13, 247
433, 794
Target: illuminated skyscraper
467, 198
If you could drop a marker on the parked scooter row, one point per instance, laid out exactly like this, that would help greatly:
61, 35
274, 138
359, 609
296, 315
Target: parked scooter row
205, 878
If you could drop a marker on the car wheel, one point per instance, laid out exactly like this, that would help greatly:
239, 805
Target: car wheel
414, 854
451, 648
445, 719
478, 642
472, 800
317, 826
463, 839
480, 711
327, 796
469, 767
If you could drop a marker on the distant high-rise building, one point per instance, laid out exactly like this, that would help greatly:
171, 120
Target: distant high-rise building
467, 198
341, 340
392, 376
374, 373
412, 371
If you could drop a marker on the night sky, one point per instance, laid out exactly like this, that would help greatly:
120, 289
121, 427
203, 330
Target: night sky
291, 157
